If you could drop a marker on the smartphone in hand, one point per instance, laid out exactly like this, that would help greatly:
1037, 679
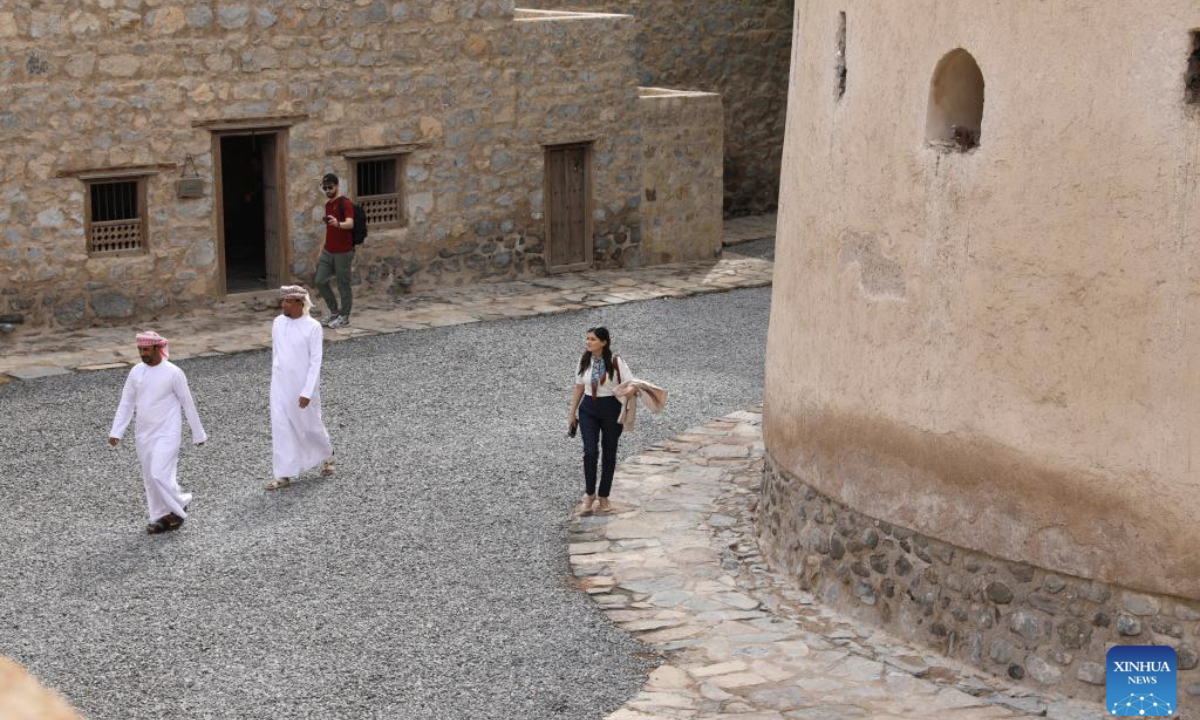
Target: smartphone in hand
571, 431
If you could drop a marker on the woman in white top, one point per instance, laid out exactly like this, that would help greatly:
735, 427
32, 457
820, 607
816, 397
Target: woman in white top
595, 411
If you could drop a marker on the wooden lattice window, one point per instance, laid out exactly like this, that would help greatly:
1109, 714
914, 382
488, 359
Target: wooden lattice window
377, 189
116, 216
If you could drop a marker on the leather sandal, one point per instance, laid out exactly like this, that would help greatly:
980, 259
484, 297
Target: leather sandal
158, 526
278, 483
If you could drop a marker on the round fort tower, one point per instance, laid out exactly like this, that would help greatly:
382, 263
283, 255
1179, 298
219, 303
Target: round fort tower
983, 366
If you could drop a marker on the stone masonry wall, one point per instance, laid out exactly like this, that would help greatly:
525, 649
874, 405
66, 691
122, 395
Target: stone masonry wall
577, 81
681, 171
735, 48
1047, 629
467, 92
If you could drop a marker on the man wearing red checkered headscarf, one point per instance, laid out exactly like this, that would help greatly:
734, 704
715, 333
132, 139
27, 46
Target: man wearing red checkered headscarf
157, 391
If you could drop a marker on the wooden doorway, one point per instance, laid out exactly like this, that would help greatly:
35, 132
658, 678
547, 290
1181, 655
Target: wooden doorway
568, 208
251, 212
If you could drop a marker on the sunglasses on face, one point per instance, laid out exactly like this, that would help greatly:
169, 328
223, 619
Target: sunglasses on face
328, 187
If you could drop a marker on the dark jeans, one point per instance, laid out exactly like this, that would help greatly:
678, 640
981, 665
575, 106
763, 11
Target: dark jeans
599, 427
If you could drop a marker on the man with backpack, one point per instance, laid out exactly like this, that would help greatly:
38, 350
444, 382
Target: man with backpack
338, 255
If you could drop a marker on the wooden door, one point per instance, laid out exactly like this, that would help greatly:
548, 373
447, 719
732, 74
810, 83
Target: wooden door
249, 169
272, 237
568, 220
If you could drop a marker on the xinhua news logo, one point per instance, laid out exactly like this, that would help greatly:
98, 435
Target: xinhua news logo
1140, 681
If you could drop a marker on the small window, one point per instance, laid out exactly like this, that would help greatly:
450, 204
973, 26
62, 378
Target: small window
954, 120
1192, 78
377, 189
840, 67
116, 216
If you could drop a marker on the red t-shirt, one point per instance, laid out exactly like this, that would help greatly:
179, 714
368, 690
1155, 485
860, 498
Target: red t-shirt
338, 240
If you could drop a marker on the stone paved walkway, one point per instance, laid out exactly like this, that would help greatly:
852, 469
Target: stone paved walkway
244, 322
751, 227
677, 564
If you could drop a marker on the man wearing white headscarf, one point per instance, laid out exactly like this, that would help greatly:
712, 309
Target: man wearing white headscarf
299, 440
157, 391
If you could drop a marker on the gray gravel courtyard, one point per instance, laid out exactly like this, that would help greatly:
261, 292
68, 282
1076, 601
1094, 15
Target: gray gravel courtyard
429, 579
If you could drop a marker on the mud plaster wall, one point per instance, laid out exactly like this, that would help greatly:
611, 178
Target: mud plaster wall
735, 48
997, 348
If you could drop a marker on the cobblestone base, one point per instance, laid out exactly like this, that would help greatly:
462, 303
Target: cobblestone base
678, 565
1040, 627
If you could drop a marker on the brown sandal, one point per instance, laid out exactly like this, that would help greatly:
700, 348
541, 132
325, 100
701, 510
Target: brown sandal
278, 483
160, 525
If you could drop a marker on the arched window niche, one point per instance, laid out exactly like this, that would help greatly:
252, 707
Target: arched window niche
955, 117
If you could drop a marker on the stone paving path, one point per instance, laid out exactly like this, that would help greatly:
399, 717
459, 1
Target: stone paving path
677, 565
244, 322
751, 227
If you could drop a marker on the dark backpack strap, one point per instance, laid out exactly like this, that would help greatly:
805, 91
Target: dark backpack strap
617, 367
344, 201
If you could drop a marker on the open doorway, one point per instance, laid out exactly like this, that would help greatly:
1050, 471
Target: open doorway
250, 211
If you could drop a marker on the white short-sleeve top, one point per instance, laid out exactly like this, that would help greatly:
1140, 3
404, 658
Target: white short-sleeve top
606, 385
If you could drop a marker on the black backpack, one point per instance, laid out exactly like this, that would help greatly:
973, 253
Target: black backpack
359, 231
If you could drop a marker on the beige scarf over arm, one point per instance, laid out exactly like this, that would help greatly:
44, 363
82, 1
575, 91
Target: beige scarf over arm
628, 392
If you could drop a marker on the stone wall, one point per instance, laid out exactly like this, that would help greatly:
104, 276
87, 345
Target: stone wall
681, 171
578, 81
466, 92
735, 48
1046, 628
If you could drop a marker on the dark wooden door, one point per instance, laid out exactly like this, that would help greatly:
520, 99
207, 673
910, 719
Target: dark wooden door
251, 191
567, 217
272, 237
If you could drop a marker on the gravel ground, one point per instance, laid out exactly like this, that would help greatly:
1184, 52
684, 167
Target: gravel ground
427, 580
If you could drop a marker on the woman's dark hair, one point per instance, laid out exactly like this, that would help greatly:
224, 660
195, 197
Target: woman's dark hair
601, 334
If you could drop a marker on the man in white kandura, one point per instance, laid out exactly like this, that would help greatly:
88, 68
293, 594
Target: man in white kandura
299, 440
157, 390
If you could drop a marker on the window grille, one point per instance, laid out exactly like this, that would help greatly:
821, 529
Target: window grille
116, 217
377, 190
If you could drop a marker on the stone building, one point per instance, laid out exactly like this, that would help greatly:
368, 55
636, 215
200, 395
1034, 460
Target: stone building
981, 393
736, 48
157, 154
